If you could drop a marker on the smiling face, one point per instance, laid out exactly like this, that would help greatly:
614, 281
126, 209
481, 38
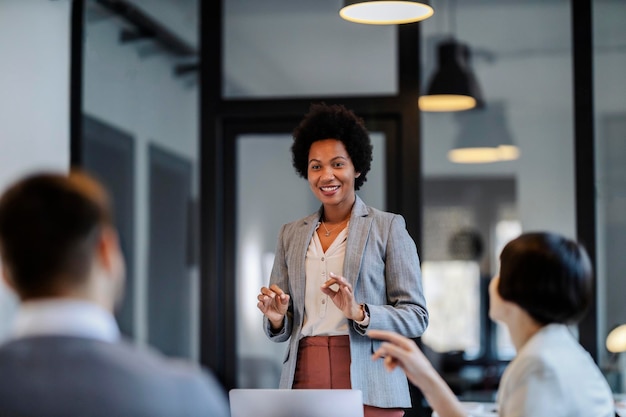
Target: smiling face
331, 173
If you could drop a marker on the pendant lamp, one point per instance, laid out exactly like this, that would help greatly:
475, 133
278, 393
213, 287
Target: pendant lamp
385, 12
453, 86
616, 340
483, 137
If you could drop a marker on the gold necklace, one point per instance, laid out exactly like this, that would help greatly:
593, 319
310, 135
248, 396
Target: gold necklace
328, 232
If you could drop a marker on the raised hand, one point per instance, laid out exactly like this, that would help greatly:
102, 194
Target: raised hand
403, 352
343, 297
273, 303
398, 350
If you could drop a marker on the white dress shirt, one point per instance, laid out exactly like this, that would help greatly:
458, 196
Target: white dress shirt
553, 376
55, 317
321, 315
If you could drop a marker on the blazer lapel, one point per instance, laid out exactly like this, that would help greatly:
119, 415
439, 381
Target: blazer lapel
358, 233
301, 243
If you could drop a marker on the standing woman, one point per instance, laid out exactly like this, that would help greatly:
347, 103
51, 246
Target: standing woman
341, 271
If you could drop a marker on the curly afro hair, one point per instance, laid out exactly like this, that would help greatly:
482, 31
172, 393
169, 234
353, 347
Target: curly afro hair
332, 122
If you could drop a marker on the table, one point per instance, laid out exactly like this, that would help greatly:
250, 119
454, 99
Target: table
477, 409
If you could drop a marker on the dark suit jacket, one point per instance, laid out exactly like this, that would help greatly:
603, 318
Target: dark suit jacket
63, 376
382, 264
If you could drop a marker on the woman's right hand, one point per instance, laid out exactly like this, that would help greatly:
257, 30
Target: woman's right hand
273, 303
401, 351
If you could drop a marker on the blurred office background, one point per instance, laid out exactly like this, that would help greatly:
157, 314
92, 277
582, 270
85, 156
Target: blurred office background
185, 108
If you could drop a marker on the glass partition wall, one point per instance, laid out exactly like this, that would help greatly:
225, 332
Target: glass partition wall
273, 60
609, 100
265, 62
139, 135
528, 87
470, 210
303, 49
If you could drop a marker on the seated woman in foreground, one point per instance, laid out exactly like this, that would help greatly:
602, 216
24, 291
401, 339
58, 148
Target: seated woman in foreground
545, 283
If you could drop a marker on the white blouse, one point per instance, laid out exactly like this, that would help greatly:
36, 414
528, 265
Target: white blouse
321, 316
553, 376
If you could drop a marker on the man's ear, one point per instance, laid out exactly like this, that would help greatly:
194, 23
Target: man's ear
358, 174
108, 249
7, 278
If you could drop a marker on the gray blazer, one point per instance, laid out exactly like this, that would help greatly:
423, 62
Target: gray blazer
63, 376
382, 264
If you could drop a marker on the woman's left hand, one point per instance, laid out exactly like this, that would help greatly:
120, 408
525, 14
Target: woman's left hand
343, 297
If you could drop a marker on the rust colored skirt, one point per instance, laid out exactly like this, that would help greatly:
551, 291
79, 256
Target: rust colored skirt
324, 363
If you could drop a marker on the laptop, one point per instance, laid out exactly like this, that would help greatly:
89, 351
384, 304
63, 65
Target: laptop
295, 402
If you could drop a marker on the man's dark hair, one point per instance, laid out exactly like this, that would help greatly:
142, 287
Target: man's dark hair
49, 226
547, 275
332, 122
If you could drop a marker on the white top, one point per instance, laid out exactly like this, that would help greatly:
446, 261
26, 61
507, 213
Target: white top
321, 315
553, 376
65, 318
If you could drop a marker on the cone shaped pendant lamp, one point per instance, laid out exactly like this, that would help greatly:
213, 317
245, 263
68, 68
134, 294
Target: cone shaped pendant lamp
385, 12
453, 86
484, 137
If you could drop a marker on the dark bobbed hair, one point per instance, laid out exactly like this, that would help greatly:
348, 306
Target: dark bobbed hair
547, 275
49, 226
332, 122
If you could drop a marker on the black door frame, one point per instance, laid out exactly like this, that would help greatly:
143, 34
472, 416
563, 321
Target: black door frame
222, 120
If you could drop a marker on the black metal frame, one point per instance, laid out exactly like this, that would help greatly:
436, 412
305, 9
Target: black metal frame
584, 154
221, 122
76, 81
217, 333
217, 208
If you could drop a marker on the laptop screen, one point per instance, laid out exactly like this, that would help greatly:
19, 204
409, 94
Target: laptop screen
296, 403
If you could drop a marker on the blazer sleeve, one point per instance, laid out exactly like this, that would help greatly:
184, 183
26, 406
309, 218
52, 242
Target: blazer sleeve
280, 277
403, 308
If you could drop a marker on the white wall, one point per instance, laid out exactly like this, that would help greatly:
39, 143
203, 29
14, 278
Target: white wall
34, 104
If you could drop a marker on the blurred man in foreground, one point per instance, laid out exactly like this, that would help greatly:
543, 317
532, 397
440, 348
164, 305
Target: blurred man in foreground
64, 357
